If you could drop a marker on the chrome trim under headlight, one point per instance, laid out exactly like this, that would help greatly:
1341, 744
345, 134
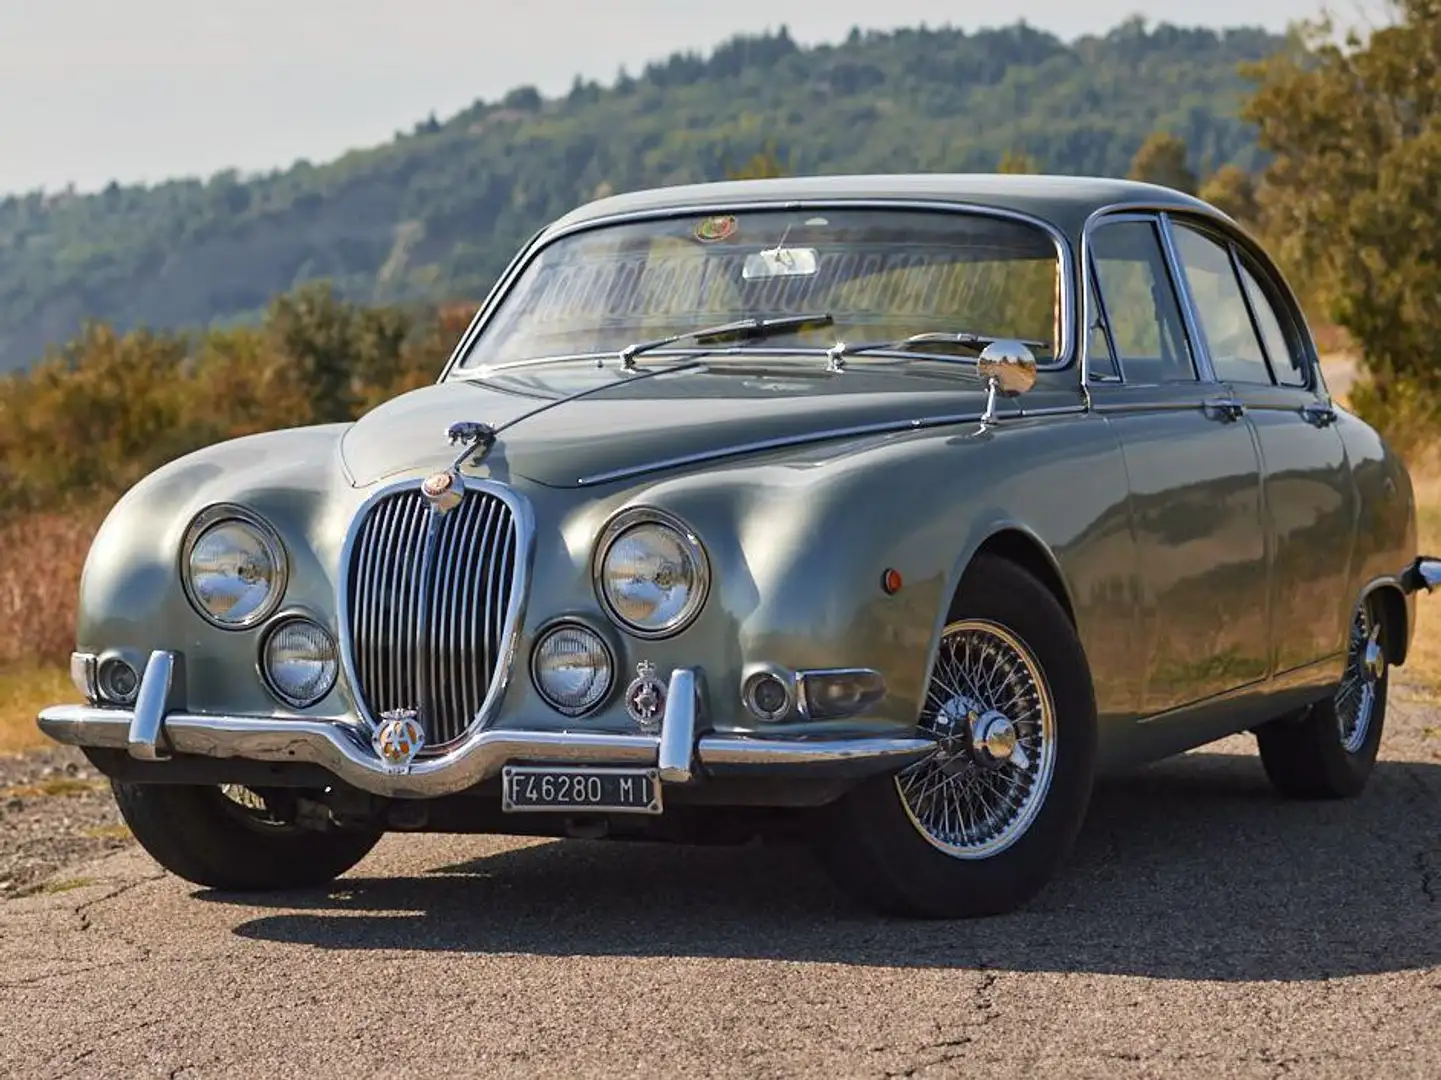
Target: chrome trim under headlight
631, 525
207, 524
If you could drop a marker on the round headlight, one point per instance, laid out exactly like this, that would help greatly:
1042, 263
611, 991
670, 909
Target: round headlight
572, 668
234, 568
652, 575
299, 661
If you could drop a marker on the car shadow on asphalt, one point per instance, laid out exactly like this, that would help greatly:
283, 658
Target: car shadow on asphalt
1189, 869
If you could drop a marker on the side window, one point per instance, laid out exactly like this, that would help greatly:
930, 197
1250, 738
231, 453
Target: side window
1236, 352
1287, 361
1140, 303
1100, 363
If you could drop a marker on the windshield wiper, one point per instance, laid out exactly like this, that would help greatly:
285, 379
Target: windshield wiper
967, 339
740, 330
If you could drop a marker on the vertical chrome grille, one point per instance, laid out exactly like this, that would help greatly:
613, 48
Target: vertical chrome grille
426, 604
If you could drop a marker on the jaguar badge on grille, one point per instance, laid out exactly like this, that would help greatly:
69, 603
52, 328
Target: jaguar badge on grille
398, 738
443, 491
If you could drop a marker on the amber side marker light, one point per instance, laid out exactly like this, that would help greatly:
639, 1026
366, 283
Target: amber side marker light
891, 581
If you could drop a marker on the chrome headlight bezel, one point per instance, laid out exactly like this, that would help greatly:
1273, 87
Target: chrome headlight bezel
621, 524
227, 514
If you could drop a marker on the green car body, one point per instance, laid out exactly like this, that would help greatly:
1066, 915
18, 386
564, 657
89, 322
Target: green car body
1209, 540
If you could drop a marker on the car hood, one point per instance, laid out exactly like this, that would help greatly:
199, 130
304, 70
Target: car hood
628, 423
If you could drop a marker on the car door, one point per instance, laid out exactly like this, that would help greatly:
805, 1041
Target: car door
1193, 470
1258, 348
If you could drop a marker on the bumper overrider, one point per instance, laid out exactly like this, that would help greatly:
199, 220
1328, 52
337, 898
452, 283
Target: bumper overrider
154, 730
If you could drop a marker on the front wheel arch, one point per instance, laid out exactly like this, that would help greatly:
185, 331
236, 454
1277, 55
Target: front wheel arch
1023, 548
1391, 607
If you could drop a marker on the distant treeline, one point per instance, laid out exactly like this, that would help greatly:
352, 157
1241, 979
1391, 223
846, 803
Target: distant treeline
437, 212
101, 412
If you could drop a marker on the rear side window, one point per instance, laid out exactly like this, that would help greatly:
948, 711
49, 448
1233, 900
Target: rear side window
1140, 303
1287, 360
1221, 307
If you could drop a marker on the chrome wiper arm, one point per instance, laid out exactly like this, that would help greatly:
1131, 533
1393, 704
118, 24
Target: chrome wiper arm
837, 353
738, 330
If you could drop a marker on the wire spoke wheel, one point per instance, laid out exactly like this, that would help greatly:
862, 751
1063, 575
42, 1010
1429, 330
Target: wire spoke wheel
990, 709
1355, 702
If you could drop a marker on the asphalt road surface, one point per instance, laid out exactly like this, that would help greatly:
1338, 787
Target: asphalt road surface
1203, 928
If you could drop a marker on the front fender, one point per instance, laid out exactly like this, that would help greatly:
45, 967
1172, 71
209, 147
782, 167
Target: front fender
801, 541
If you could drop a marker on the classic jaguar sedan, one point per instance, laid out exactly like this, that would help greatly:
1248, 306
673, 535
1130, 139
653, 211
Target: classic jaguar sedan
883, 512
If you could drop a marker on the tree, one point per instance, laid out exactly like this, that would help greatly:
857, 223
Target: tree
1162, 160
762, 165
1353, 194
1232, 190
1017, 161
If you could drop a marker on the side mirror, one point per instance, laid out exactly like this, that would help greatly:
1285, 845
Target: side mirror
1009, 368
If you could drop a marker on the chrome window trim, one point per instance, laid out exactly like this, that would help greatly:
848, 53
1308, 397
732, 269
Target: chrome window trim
218, 514
1156, 217
1200, 344
1064, 254
1233, 258
524, 518
626, 519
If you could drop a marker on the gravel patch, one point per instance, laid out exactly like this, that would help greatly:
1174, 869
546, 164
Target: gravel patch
55, 810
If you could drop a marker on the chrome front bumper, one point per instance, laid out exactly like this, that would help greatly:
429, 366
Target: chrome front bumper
151, 732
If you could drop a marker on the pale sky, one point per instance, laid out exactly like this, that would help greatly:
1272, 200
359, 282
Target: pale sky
147, 90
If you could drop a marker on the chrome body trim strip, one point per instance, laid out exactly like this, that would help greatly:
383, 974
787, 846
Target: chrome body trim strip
778, 443
1065, 354
142, 734
340, 748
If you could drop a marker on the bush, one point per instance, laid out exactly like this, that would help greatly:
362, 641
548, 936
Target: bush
104, 410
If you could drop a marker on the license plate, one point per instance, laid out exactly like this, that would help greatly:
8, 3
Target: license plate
532, 788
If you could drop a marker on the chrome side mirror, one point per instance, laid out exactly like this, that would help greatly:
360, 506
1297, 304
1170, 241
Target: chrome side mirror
1009, 368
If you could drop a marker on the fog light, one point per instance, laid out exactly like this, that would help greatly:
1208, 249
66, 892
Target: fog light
830, 694
572, 668
299, 662
117, 681
767, 696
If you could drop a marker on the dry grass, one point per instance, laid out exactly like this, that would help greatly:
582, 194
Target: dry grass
1423, 664
40, 584
24, 691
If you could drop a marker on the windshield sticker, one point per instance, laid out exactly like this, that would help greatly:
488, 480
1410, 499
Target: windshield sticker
721, 227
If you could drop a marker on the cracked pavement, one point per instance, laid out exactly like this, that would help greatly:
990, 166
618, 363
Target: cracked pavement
1203, 927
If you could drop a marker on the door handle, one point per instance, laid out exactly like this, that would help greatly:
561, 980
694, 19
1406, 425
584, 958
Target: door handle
1225, 409
1318, 414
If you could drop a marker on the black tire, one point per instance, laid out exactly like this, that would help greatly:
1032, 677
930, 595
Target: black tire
205, 837
875, 847
1308, 755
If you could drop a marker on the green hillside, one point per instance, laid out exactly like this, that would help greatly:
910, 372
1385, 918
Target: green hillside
438, 211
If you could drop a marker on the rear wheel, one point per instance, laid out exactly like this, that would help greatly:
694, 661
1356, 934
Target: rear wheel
232, 837
981, 826
1327, 751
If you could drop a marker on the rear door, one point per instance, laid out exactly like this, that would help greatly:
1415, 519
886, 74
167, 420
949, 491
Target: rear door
1194, 474
1258, 348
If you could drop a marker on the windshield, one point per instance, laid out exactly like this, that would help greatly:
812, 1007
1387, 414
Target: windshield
880, 274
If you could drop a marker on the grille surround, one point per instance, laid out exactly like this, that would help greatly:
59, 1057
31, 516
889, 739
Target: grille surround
400, 654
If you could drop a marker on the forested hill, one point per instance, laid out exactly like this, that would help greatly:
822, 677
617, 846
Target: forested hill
437, 212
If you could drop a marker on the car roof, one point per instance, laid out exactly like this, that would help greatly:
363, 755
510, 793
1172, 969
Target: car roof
1064, 201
